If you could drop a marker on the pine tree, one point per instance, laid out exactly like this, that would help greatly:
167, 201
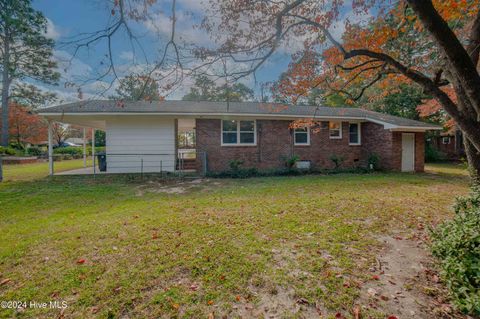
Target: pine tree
25, 52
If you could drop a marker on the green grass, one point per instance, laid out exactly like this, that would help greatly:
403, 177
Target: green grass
33, 171
453, 169
221, 247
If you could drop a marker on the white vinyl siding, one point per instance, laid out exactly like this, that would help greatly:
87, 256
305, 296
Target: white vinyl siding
138, 138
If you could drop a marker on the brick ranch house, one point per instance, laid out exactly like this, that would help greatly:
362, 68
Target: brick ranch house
157, 135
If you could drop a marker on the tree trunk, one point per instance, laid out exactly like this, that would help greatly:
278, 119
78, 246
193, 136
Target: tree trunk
460, 61
473, 158
5, 92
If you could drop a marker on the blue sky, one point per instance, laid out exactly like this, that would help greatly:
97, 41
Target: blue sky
70, 18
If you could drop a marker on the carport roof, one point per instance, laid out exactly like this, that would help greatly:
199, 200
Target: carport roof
206, 108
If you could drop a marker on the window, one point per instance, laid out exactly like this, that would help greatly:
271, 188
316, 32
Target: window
335, 129
354, 134
446, 140
302, 136
238, 132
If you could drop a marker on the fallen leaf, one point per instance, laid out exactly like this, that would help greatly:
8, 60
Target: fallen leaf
238, 298
376, 277
372, 292
193, 287
5, 281
356, 312
392, 317
154, 236
210, 302
175, 306
81, 261
302, 301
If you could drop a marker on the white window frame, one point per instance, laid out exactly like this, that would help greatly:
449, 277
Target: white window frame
238, 133
359, 132
329, 130
443, 140
295, 135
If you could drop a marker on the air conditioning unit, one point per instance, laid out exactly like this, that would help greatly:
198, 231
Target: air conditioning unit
303, 164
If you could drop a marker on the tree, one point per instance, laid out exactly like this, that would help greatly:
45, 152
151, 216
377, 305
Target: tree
205, 89
137, 87
433, 111
100, 138
238, 92
60, 132
25, 52
431, 44
403, 102
25, 126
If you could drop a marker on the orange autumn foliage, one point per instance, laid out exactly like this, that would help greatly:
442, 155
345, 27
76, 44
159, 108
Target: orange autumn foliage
431, 108
26, 126
396, 31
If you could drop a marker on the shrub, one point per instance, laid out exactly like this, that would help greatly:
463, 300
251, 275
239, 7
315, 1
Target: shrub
34, 151
253, 172
235, 165
17, 146
433, 155
456, 243
291, 161
7, 150
373, 161
72, 151
337, 160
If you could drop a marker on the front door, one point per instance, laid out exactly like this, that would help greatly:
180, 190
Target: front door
408, 152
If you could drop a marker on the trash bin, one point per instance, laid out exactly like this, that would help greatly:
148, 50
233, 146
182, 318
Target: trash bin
102, 161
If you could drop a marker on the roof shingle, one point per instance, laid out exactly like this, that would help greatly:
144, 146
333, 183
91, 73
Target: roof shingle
224, 108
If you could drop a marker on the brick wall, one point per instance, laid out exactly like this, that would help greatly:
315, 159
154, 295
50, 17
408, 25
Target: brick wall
419, 151
275, 145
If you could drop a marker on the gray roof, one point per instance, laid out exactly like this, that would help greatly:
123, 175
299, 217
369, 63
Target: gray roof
233, 108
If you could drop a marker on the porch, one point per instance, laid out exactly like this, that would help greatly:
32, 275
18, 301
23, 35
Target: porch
133, 145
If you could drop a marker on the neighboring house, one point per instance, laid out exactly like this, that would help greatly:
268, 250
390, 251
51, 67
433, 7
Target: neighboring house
450, 144
143, 136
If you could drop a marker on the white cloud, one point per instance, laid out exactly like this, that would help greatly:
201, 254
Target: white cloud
338, 28
186, 31
52, 30
71, 68
193, 5
126, 55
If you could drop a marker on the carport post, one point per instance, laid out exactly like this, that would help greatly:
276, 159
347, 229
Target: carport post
50, 148
84, 147
93, 148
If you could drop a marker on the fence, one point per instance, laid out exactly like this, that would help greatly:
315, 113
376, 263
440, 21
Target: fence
185, 161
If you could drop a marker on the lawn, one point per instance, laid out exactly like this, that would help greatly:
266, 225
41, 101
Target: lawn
38, 170
115, 247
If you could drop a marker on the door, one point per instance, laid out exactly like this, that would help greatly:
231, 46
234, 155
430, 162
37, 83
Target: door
408, 152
